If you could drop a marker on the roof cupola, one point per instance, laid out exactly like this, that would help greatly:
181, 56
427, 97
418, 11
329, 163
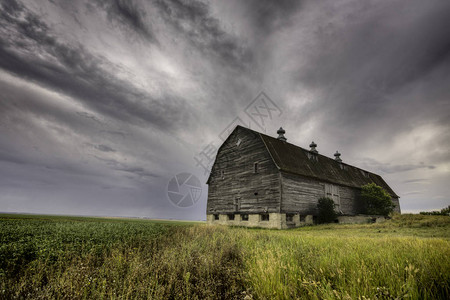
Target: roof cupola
337, 157
281, 133
313, 147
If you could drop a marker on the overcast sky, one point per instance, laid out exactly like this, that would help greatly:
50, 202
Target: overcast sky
103, 102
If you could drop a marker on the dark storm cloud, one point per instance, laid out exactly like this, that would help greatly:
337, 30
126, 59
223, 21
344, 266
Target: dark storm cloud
389, 168
193, 21
28, 161
114, 133
141, 172
29, 50
103, 102
129, 14
403, 168
417, 180
378, 70
104, 148
267, 15
371, 53
88, 116
124, 167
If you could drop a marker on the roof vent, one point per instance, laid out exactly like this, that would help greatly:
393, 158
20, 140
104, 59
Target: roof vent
313, 147
281, 133
337, 157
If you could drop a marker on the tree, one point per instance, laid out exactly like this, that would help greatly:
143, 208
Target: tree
376, 200
327, 214
444, 212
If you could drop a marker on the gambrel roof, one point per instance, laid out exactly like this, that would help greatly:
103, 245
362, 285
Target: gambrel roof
296, 160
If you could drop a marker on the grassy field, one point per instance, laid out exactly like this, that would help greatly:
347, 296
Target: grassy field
44, 257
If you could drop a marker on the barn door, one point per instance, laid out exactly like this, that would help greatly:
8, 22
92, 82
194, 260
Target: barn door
332, 192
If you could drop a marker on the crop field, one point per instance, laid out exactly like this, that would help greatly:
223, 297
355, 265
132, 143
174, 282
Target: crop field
53, 257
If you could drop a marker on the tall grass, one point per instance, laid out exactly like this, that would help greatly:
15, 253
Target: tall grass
90, 258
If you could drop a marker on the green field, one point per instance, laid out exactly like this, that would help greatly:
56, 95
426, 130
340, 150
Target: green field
44, 257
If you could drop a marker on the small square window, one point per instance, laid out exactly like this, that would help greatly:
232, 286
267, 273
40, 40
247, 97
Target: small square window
216, 217
264, 217
244, 217
365, 174
231, 217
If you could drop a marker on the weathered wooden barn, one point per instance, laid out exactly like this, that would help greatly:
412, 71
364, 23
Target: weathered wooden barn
258, 180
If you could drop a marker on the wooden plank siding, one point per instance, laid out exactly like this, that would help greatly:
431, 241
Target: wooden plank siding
350, 200
239, 181
300, 195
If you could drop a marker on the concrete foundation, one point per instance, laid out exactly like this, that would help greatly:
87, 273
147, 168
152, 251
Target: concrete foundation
275, 220
282, 221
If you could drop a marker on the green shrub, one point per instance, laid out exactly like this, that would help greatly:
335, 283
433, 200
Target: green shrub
327, 214
376, 200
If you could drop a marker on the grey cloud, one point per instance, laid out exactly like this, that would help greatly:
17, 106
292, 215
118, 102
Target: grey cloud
129, 14
137, 171
77, 134
89, 116
120, 166
418, 180
192, 20
267, 15
114, 133
388, 168
412, 193
79, 73
104, 148
362, 60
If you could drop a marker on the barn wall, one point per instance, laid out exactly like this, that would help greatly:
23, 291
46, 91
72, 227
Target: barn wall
301, 194
396, 205
350, 200
239, 180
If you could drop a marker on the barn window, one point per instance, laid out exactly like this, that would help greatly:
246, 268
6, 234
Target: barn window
289, 217
302, 218
222, 174
238, 142
244, 217
231, 217
366, 174
343, 167
312, 157
264, 217
255, 168
216, 217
